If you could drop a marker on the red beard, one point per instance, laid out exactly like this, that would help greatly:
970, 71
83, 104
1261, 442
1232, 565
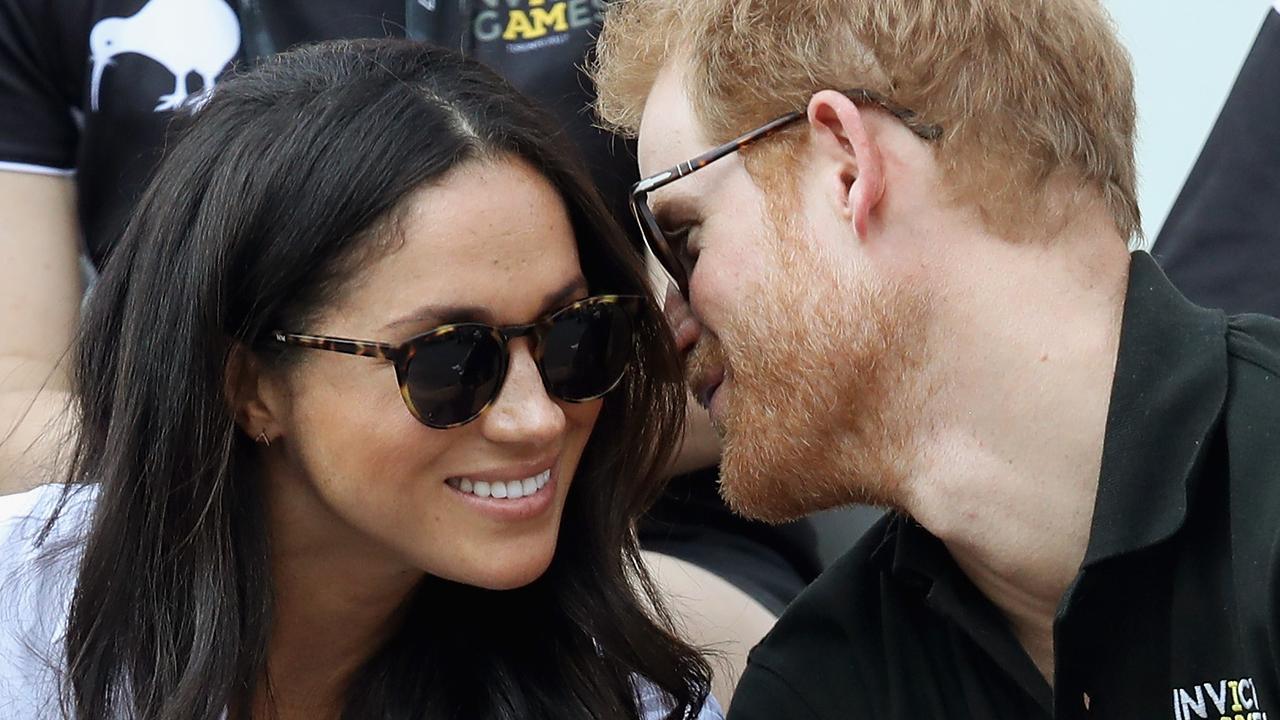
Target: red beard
823, 390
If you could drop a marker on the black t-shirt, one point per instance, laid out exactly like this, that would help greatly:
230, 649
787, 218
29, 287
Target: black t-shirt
88, 86
1174, 613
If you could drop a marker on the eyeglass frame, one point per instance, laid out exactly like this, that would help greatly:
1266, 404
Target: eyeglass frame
651, 231
401, 354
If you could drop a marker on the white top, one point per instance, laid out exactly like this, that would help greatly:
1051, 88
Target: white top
35, 596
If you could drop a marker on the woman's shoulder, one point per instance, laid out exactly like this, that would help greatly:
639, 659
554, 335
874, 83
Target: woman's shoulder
37, 576
656, 705
39, 558
26, 537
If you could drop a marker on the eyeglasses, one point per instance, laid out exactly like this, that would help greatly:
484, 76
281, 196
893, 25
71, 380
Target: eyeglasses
451, 374
671, 255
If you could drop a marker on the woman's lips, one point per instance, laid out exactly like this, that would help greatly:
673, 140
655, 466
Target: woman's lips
508, 509
517, 493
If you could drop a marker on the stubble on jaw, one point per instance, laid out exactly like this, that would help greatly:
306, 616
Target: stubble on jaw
826, 388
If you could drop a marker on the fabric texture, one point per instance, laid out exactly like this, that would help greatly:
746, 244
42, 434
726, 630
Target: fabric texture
36, 581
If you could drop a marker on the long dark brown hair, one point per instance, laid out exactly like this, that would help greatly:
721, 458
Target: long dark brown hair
261, 210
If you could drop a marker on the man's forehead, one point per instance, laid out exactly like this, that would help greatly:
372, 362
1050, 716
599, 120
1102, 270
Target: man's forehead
669, 132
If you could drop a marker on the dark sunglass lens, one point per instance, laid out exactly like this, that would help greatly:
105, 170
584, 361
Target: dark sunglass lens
586, 350
453, 375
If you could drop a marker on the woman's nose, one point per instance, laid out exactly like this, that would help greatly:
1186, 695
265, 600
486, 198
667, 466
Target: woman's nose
523, 412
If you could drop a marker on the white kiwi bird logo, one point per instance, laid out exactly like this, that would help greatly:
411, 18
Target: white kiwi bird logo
185, 36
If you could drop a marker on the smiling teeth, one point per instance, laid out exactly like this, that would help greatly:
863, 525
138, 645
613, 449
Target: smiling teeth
510, 490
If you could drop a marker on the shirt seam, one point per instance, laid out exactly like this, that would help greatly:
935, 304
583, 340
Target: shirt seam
1245, 353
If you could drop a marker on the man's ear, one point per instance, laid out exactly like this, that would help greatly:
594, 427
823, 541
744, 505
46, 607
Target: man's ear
839, 134
251, 395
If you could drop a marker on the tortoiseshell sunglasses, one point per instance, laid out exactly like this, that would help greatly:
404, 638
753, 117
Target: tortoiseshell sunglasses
451, 374
672, 255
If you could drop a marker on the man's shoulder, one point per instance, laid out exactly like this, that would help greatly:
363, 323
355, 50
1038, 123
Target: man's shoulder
1255, 339
1252, 412
1249, 473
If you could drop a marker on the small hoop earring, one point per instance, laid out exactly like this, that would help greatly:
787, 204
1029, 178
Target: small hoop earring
262, 438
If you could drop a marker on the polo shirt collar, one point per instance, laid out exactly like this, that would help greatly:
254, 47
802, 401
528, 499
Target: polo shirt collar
1166, 400
914, 556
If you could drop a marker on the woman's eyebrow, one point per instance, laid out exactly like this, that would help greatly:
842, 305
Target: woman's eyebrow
565, 295
433, 314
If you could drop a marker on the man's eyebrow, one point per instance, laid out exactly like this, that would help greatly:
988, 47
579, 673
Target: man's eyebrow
671, 208
434, 314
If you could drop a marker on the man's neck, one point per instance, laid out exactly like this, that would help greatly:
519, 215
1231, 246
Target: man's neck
1013, 446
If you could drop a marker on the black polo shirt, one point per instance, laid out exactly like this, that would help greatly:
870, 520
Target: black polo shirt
1173, 614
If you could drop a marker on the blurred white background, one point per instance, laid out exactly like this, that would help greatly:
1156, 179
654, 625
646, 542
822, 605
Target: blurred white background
1185, 55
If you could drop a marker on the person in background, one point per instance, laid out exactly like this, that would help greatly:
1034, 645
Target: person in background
898, 237
87, 91
1221, 242
346, 444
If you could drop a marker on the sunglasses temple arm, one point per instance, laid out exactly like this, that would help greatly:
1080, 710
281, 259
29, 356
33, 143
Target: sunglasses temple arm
346, 346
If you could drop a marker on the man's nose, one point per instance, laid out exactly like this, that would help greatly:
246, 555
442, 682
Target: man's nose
684, 325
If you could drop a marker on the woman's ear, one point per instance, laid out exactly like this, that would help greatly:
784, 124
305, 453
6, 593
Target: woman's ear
251, 395
840, 137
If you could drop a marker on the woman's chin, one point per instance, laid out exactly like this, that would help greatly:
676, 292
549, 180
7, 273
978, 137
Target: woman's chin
507, 571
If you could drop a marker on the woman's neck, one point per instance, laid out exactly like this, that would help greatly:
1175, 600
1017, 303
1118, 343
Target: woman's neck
336, 597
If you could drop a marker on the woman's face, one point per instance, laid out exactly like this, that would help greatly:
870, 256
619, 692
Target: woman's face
492, 243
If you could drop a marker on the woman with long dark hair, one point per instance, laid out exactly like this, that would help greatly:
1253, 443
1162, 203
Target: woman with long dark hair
369, 397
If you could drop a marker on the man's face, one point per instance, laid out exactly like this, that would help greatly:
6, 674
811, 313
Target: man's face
807, 354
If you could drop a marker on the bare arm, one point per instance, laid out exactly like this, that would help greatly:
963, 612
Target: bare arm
712, 614
40, 289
